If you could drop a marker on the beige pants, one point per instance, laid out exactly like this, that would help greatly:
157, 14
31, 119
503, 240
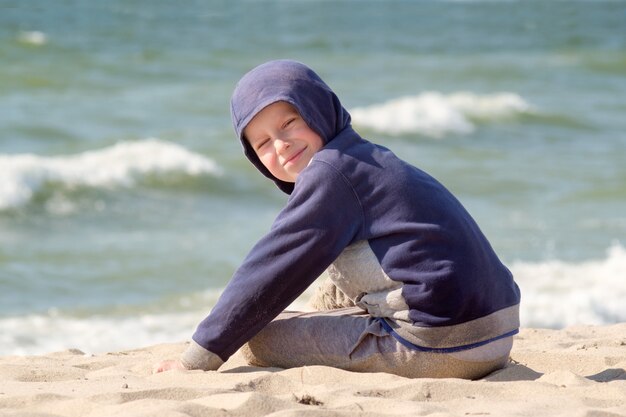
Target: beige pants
350, 339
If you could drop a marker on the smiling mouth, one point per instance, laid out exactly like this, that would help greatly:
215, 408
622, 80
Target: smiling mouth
294, 156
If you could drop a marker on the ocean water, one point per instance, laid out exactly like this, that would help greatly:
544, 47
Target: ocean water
126, 203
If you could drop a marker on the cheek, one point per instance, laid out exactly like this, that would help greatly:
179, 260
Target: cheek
317, 143
315, 140
268, 159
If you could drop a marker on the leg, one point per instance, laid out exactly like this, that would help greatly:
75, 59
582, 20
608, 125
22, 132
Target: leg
350, 339
317, 338
329, 297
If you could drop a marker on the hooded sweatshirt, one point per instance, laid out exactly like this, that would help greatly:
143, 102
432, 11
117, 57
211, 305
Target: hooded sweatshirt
439, 284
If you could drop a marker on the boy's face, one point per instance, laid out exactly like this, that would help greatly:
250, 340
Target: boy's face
282, 140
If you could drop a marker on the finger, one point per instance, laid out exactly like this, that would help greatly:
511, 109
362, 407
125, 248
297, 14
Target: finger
159, 367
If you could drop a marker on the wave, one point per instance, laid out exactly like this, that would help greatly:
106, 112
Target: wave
435, 114
43, 333
121, 165
557, 294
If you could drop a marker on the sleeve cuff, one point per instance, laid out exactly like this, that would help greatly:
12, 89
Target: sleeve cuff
197, 357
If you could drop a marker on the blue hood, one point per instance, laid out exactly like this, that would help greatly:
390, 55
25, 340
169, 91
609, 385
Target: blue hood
294, 83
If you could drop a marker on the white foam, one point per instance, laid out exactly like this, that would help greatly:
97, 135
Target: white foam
435, 114
22, 176
53, 332
34, 38
558, 294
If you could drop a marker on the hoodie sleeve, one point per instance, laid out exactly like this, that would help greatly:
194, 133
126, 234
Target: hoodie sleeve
322, 217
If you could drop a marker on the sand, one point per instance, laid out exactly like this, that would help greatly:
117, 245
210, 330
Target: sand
578, 371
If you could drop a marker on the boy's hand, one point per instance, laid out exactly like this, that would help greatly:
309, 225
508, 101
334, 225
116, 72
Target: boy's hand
168, 366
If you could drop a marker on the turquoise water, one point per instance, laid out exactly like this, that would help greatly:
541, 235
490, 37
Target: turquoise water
126, 204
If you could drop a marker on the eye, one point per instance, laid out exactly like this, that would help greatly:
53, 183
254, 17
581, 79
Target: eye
260, 144
288, 122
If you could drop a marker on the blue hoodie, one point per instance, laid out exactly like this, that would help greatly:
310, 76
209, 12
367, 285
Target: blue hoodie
456, 291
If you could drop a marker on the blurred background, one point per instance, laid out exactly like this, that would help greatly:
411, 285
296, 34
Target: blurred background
126, 203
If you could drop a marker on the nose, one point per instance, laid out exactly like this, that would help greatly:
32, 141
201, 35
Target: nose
281, 144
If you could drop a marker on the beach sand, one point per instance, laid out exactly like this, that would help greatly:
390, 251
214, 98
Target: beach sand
578, 371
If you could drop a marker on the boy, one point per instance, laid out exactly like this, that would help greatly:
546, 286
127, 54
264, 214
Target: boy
416, 288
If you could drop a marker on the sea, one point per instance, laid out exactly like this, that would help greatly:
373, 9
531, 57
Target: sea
126, 203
